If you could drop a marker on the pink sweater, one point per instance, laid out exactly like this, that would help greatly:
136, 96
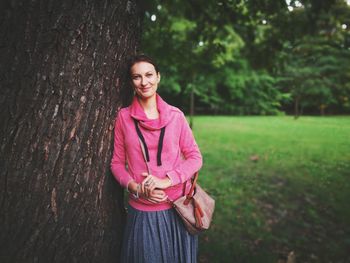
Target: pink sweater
180, 155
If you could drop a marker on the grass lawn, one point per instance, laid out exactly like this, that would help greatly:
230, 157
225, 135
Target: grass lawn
281, 186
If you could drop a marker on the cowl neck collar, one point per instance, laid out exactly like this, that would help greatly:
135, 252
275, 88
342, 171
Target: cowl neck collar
137, 112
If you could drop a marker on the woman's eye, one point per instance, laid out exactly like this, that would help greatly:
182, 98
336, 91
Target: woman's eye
149, 75
135, 77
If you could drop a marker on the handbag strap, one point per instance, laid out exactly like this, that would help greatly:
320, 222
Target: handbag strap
190, 194
194, 182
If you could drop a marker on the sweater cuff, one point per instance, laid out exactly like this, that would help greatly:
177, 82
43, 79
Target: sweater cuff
124, 181
174, 178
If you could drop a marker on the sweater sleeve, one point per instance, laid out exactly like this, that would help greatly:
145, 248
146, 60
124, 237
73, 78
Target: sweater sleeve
190, 151
118, 162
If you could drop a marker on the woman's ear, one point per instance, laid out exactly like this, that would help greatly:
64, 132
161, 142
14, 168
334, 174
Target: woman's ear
158, 76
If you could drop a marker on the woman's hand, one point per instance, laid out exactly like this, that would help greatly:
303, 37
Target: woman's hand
150, 183
157, 196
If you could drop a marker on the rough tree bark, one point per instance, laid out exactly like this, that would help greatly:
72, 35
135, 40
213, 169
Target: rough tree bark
62, 65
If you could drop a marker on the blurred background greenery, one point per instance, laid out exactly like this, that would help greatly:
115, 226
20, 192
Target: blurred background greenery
246, 57
282, 185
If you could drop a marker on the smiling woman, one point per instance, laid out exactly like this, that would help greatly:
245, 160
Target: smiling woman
156, 171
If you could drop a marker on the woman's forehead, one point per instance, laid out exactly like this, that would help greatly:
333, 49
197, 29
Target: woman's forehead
142, 67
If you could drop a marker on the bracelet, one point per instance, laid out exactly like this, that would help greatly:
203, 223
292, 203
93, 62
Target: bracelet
136, 196
127, 186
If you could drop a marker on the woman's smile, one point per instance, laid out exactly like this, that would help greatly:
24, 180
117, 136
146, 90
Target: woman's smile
145, 89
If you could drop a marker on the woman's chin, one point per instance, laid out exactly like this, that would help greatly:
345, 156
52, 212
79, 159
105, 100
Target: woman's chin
146, 95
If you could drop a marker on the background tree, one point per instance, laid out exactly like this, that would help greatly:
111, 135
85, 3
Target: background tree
313, 65
63, 64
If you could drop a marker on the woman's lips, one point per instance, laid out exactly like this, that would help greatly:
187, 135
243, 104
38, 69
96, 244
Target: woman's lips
145, 89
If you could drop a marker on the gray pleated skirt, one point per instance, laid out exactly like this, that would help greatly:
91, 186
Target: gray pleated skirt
157, 237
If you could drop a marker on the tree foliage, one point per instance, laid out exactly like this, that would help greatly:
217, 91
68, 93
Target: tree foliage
252, 57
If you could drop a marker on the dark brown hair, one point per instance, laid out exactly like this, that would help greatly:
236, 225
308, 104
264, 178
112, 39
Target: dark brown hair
141, 58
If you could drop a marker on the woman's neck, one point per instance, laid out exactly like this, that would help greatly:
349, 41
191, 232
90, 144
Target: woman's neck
149, 106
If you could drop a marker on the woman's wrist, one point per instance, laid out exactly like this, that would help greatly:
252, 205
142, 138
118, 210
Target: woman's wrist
166, 182
137, 193
133, 188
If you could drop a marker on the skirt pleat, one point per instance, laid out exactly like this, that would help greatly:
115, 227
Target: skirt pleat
157, 236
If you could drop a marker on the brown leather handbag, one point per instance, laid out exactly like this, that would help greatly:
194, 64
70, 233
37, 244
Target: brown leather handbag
195, 208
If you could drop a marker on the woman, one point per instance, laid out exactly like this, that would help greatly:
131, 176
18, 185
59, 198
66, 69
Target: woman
156, 174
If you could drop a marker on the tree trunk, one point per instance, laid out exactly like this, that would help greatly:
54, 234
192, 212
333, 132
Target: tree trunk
322, 109
192, 106
62, 66
296, 107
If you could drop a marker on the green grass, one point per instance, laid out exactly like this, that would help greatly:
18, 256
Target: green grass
294, 197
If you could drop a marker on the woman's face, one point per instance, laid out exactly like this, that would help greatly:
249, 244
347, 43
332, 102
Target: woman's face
144, 79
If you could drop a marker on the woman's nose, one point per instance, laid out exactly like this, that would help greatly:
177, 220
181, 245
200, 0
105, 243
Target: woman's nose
143, 81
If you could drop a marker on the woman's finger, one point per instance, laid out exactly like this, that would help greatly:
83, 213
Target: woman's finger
149, 191
158, 199
147, 180
146, 189
151, 186
143, 187
158, 192
158, 195
145, 183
